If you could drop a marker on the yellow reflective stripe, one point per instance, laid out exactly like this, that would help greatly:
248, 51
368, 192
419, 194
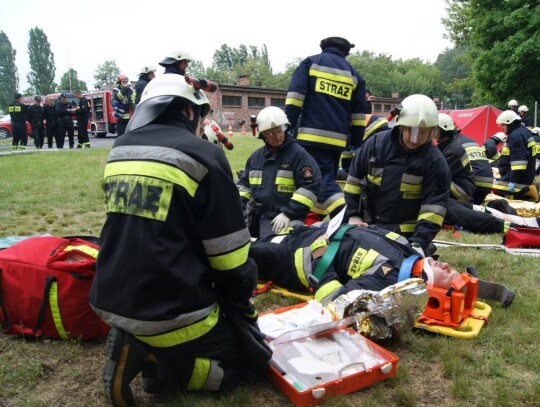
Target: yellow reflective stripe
327, 289
431, 217
359, 122
337, 203
55, 311
154, 170
321, 139
410, 187
518, 167
375, 179
318, 210
255, 180
352, 189
201, 369
294, 102
284, 181
361, 260
302, 199
184, 334
231, 260
407, 227
85, 249
484, 184
337, 78
244, 194
299, 266
393, 235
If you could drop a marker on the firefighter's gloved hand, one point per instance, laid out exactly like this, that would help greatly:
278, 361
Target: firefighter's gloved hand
512, 187
244, 318
280, 223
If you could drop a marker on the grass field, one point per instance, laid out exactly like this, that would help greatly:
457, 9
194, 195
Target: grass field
59, 193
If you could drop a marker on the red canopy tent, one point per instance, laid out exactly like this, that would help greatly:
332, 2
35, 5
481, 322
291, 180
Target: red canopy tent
478, 123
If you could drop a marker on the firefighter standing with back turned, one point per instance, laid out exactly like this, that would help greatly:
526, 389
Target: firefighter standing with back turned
148, 72
173, 275
326, 105
18, 112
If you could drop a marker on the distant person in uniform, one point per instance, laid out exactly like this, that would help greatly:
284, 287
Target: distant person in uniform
51, 126
35, 117
19, 115
148, 72
82, 113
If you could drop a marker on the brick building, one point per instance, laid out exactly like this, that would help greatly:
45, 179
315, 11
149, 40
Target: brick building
233, 103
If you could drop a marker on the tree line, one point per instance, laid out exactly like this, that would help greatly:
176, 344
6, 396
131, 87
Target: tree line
494, 59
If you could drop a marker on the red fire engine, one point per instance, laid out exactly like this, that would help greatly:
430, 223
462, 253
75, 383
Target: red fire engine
102, 120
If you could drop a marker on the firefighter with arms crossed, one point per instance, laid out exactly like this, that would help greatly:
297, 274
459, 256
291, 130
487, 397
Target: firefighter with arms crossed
173, 275
399, 180
281, 180
326, 105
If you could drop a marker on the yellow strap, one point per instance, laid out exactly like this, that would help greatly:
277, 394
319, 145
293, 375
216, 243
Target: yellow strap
55, 310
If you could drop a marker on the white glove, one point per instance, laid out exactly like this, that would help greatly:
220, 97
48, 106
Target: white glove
280, 223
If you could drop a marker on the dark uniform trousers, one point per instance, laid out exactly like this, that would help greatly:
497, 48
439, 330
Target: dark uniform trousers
38, 133
462, 214
214, 361
19, 133
82, 132
65, 127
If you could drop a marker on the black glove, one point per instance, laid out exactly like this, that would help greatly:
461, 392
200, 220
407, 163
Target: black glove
244, 317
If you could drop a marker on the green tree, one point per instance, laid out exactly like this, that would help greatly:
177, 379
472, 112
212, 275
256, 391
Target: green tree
455, 69
229, 63
9, 77
42, 68
106, 74
503, 40
70, 81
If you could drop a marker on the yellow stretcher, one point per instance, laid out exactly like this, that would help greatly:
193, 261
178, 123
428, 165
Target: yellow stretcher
468, 329
283, 292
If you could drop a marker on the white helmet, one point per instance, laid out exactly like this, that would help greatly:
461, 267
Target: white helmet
512, 103
147, 68
446, 122
501, 136
418, 111
175, 56
159, 93
507, 117
271, 117
523, 108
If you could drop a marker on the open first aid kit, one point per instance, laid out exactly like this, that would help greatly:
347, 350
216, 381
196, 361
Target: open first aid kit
315, 357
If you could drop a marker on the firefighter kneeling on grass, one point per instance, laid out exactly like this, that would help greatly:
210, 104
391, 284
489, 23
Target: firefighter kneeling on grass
173, 275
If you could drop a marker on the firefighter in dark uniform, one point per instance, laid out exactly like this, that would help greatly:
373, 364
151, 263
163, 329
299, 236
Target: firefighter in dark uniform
35, 117
374, 124
19, 115
326, 105
281, 180
148, 72
64, 113
123, 103
399, 180
176, 62
368, 258
460, 210
482, 170
517, 162
51, 126
83, 114
173, 275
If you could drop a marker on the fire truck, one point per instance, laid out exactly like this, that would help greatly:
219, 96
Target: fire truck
102, 120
